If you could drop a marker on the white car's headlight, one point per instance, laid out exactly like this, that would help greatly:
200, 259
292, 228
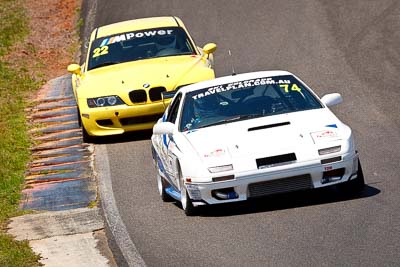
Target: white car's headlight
329, 150
104, 101
222, 168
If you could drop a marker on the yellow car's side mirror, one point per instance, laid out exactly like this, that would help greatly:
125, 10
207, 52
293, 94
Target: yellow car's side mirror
209, 48
74, 69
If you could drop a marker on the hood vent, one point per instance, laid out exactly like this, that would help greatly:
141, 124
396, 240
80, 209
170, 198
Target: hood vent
275, 160
269, 126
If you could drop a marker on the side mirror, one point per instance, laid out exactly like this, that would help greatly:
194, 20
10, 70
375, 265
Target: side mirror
74, 69
209, 48
164, 128
168, 94
167, 97
332, 99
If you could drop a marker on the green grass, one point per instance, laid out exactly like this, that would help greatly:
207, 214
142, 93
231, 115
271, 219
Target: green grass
14, 142
13, 253
13, 20
15, 85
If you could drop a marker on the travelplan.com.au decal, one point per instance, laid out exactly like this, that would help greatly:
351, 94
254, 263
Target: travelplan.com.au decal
138, 34
239, 85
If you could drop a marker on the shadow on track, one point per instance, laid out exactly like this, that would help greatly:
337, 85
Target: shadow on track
123, 138
286, 201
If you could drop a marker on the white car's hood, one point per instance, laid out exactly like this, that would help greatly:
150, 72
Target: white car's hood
241, 143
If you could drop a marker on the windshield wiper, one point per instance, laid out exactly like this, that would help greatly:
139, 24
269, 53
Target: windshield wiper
234, 118
107, 63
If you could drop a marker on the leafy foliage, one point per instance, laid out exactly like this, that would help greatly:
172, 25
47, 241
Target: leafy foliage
15, 84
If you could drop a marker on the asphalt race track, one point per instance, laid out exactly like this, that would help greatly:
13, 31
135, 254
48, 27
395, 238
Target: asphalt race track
350, 47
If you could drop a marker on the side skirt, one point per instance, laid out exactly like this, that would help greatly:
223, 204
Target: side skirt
170, 190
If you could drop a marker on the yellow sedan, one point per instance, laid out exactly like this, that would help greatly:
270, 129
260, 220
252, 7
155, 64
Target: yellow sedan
130, 69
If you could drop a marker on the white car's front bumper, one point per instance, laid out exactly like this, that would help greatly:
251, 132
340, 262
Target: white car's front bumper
268, 181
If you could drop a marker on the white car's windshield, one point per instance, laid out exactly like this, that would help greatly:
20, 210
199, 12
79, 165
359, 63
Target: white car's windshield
245, 100
130, 46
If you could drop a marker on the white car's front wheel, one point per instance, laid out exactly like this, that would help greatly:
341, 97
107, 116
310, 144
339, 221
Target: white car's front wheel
359, 183
186, 202
356, 185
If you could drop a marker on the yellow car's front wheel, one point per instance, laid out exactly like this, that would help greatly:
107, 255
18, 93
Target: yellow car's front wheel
85, 136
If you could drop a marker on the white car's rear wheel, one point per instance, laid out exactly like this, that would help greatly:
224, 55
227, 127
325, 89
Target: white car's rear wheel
161, 185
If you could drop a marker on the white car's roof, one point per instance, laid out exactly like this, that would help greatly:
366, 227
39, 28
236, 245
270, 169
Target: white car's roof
233, 78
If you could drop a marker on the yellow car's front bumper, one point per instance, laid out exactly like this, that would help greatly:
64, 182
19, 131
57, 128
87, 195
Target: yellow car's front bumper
112, 120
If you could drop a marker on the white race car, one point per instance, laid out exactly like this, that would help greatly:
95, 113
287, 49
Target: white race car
251, 135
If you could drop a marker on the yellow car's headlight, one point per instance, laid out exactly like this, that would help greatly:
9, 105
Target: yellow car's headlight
104, 101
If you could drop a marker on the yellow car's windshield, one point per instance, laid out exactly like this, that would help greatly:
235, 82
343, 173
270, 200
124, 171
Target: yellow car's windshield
143, 44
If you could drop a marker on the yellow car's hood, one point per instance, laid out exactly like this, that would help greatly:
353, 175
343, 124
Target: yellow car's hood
122, 78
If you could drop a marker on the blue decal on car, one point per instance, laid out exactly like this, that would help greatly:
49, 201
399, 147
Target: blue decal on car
164, 137
170, 190
331, 126
160, 166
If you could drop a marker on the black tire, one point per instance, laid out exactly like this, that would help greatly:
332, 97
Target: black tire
85, 136
79, 117
187, 204
162, 184
358, 184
